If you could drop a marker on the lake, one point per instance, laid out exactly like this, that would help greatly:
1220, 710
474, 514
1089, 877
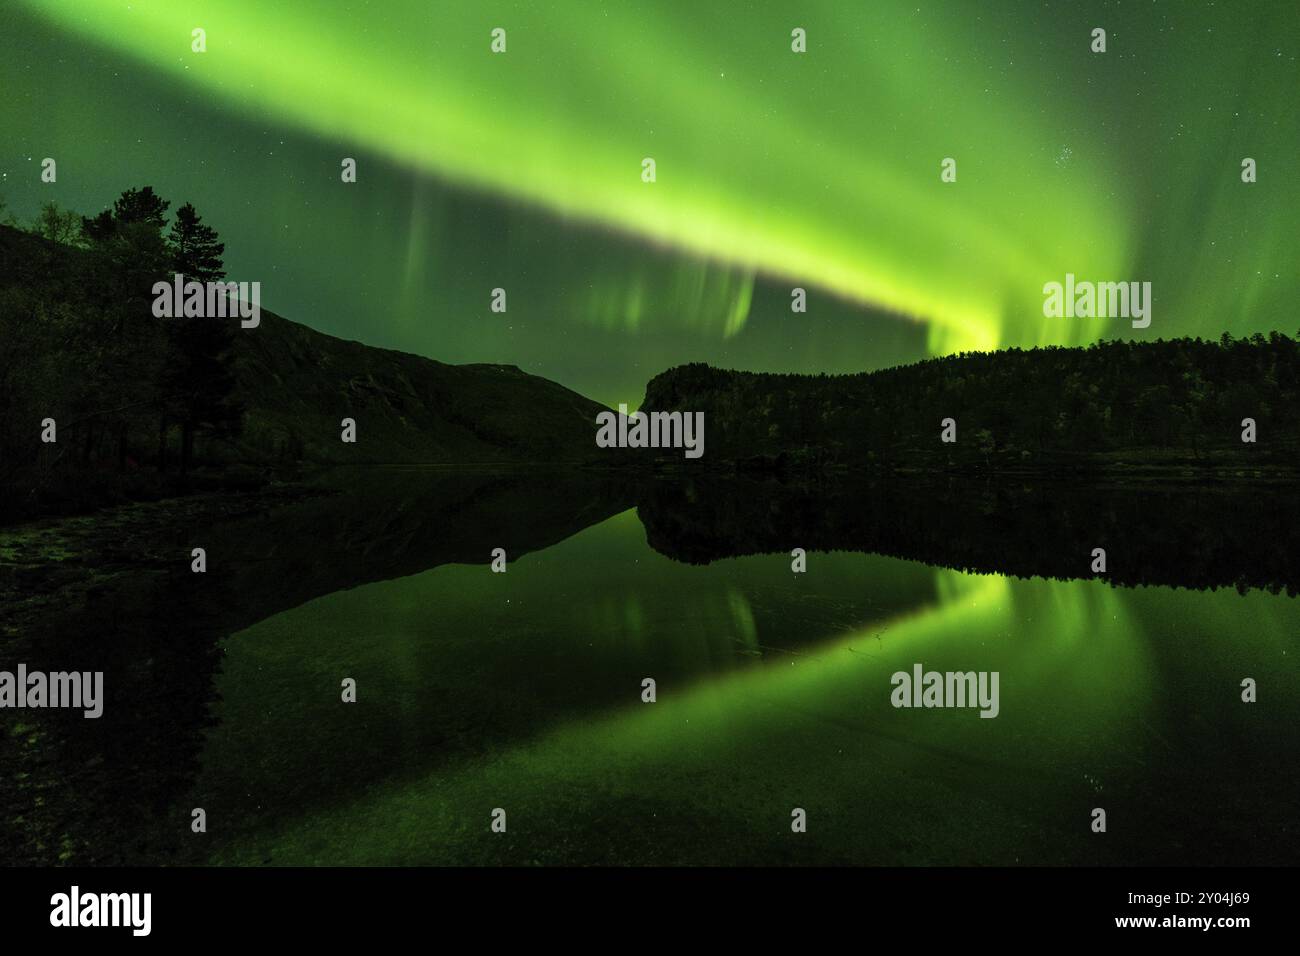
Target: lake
523, 692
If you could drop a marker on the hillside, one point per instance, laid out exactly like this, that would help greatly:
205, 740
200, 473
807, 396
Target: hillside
298, 384
1114, 405
61, 322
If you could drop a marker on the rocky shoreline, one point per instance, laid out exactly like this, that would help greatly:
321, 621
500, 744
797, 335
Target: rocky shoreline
49, 564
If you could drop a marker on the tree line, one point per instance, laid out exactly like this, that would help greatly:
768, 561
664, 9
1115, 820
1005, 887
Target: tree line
1180, 401
79, 344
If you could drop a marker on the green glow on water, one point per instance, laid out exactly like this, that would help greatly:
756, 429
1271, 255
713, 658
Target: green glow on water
773, 693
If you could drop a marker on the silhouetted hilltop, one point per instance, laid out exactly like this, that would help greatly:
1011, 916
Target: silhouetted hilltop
1114, 405
297, 385
133, 398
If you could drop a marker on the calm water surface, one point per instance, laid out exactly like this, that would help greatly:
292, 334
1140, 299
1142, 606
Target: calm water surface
522, 691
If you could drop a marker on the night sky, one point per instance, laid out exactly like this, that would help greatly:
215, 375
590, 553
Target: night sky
522, 170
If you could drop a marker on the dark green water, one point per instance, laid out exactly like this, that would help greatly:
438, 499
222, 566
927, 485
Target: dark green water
523, 691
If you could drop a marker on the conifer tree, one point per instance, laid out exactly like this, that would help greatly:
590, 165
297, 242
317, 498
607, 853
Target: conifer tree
196, 251
198, 384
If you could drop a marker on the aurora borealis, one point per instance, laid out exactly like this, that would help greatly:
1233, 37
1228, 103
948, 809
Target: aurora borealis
521, 170
946, 521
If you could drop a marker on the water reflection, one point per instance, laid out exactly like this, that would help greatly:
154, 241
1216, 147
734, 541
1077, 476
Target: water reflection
523, 690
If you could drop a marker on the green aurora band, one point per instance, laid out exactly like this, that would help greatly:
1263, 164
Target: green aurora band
820, 169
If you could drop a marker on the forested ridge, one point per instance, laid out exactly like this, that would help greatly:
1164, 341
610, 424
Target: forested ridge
1178, 402
140, 406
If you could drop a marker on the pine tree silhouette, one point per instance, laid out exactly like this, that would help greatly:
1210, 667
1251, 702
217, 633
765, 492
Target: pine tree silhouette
197, 253
198, 382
